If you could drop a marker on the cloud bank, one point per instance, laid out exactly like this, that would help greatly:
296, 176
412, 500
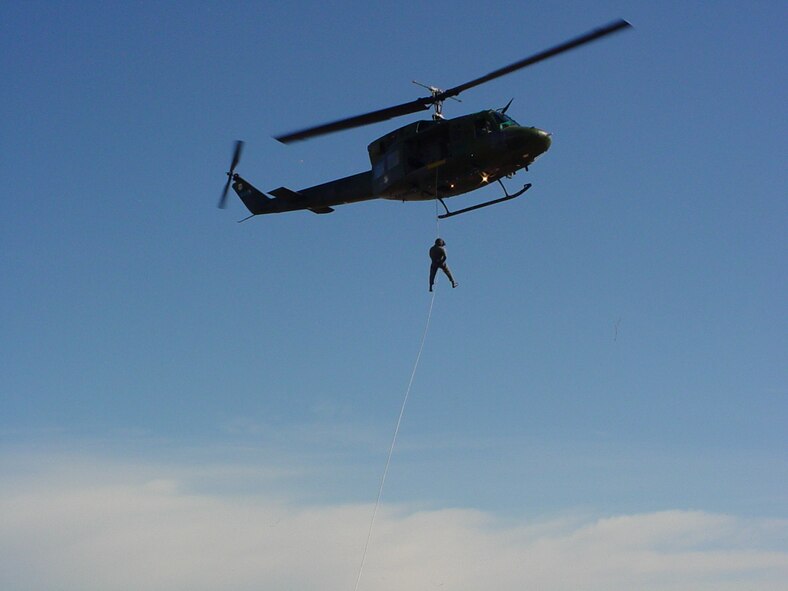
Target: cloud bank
86, 524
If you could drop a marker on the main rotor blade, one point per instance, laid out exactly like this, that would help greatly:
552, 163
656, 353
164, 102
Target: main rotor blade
541, 56
421, 104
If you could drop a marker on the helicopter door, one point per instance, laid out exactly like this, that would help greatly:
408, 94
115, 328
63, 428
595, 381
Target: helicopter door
414, 159
462, 134
435, 145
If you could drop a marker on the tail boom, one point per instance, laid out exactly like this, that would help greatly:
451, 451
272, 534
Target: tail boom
318, 199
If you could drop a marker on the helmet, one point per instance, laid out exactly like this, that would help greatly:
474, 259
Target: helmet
440, 242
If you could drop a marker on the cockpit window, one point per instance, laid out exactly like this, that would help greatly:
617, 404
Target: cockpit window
503, 120
490, 121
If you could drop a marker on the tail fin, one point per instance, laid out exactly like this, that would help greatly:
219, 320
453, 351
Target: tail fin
254, 199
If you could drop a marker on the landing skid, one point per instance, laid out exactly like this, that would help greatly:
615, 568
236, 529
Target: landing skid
449, 214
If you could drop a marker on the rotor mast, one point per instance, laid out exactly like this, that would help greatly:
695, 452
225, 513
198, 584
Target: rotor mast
437, 99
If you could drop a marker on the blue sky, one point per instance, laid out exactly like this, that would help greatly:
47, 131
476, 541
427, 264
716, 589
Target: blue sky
613, 362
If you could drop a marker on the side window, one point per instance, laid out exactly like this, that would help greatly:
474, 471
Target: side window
392, 159
385, 163
482, 126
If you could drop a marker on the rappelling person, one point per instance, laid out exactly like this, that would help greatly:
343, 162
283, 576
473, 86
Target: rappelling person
438, 258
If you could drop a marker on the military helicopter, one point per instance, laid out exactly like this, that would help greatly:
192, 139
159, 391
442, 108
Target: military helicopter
424, 160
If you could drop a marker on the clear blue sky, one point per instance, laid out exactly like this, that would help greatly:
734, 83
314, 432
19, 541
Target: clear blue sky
615, 354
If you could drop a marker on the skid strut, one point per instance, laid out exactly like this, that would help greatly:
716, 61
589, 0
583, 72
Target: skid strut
449, 214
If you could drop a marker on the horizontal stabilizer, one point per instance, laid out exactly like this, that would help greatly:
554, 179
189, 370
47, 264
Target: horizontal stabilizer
294, 197
286, 194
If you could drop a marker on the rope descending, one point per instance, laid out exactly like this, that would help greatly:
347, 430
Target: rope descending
393, 442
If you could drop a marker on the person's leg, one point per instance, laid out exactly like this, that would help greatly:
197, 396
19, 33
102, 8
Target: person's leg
446, 270
433, 270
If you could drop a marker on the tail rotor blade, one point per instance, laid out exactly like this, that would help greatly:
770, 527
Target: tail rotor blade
239, 145
236, 159
223, 198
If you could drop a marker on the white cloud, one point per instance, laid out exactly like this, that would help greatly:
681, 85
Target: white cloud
80, 523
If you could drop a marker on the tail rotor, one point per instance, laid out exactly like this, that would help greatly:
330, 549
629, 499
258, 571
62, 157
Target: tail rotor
236, 158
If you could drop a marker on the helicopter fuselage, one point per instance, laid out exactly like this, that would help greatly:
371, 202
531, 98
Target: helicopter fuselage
421, 161
427, 159
430, 159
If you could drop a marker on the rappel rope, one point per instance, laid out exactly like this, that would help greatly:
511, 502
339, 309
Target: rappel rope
399, 421
393, 442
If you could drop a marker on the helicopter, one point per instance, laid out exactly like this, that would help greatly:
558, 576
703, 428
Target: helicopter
424, 160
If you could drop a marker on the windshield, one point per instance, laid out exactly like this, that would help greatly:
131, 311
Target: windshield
503, 120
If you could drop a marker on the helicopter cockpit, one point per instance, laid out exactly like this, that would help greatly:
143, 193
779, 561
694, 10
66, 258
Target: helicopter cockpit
494, 121
504, 120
